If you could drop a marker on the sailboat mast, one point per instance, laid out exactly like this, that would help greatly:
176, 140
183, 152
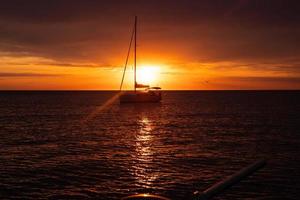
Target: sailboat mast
135, 30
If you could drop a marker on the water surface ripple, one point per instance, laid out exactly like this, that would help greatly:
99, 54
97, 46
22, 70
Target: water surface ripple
59, 145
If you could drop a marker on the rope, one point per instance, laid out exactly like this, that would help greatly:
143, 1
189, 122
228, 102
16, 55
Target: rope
128, 53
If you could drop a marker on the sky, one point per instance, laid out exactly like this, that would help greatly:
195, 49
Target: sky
182, 44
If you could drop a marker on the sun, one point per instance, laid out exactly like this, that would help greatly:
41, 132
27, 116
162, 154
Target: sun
148, 74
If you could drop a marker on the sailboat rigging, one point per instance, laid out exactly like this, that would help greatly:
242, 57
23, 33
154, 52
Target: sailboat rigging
149, 94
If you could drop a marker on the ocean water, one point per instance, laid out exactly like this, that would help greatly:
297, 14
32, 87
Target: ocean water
67, 145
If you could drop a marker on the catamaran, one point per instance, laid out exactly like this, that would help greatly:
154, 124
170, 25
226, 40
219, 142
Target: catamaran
142, 93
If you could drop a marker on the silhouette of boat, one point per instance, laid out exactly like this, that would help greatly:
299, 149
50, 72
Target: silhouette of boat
142, 93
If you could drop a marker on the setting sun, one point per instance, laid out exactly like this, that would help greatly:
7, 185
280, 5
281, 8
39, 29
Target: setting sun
148, 74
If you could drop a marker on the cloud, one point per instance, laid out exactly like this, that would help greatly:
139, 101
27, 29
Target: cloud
252, 83
249, 83
295, 80
12, 75
98, 31
289, 67
8, 59
53, 11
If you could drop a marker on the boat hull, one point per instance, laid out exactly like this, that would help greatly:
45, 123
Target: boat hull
140, 97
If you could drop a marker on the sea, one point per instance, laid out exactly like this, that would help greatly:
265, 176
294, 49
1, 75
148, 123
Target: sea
86, 145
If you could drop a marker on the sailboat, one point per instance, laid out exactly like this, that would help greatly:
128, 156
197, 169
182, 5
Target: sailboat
142, 93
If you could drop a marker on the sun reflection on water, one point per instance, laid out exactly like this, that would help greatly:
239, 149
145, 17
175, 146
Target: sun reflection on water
144, 171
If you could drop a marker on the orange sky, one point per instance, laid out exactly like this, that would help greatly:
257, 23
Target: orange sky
186, 45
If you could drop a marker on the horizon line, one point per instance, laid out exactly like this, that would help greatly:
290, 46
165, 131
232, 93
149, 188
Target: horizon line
107, 90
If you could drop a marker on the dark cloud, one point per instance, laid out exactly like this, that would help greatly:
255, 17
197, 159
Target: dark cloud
90, 30
252, 83
57, 64
79, 65
63, 10
293, 69
12, 75
293, 80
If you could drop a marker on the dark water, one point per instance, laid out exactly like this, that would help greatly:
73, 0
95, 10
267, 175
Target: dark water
61, 145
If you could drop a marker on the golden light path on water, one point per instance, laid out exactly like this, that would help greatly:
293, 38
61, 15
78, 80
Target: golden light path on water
143, 171
142, 168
